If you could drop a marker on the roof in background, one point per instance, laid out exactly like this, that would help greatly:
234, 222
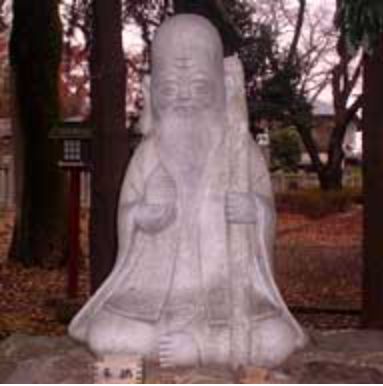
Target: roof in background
322, 108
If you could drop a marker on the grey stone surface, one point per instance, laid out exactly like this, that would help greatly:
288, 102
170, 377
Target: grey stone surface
349, 356
193, 282
354, 356
29, 359
72, 367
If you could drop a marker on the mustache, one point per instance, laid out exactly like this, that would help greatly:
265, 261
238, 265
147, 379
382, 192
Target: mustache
188, 131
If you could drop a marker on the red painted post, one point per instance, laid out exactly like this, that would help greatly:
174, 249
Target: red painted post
74, 231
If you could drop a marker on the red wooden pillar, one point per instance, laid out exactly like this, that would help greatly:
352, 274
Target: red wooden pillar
372, 316
74, 231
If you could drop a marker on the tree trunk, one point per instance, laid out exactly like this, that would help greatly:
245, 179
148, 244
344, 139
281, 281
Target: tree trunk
110, 139
35, 50
373, 191
330, 177
331, 174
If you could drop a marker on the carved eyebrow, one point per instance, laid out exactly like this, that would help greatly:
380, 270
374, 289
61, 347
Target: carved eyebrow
165, 77
168, 76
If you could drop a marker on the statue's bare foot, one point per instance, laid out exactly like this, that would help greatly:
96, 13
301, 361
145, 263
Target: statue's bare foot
178, 349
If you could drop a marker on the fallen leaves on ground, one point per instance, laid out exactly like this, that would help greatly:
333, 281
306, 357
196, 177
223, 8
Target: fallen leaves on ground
318, 265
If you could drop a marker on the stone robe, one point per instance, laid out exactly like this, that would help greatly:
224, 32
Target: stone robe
231, 278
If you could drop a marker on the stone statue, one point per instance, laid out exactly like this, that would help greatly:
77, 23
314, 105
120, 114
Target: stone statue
193, 281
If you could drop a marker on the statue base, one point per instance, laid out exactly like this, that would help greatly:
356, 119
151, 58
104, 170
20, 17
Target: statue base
352, 356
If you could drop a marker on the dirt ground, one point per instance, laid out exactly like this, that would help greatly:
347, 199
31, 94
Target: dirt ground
318, 269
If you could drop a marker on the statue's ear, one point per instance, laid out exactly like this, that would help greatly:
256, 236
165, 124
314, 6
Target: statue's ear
229, 79
146, 113
146, 88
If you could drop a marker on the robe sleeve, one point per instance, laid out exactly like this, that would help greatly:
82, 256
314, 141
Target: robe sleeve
264, 198
132, 192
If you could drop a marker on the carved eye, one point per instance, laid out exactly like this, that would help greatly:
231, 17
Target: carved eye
201, 87
168, 90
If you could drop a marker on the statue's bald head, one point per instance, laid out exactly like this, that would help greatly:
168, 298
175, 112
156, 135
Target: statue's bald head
187, 49
187, 32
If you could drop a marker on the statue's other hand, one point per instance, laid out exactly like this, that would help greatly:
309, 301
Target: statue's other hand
160, 188
153, 218
240, 208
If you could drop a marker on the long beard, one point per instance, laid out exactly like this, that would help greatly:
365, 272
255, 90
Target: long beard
185, 142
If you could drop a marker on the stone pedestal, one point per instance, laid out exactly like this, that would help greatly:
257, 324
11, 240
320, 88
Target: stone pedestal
353, 356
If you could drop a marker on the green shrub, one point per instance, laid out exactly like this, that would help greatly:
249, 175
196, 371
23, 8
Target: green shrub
316, 203
285, 149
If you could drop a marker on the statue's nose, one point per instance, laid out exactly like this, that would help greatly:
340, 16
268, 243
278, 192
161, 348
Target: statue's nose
184, 93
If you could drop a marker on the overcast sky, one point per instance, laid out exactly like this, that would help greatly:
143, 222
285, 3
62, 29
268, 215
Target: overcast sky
329, 3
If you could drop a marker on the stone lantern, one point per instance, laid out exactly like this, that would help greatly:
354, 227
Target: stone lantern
74, 139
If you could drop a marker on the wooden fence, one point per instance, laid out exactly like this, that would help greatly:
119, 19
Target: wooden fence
283, 182
7, 190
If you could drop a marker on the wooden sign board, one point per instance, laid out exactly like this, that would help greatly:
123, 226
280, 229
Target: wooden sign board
119, 369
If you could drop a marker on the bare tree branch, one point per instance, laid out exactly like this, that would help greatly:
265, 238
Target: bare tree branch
355, 76
298, 31
317, 90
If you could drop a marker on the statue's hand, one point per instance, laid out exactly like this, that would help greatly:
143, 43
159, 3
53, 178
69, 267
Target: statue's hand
153, 218
241, 208
160, 188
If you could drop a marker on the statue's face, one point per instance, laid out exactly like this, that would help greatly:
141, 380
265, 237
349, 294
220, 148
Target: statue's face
184, 85
187, 68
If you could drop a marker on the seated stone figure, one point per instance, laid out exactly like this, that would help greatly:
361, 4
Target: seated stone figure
193, 281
